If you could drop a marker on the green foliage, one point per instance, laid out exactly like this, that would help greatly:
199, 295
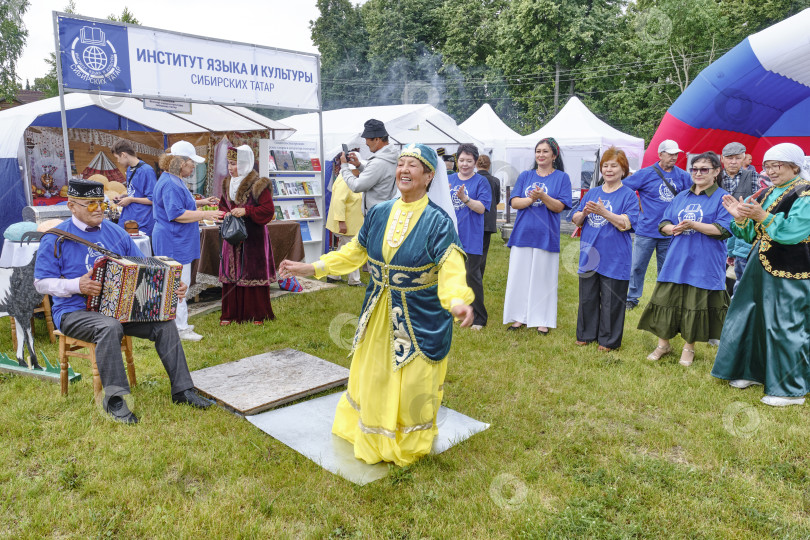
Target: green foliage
12, 42
125, 17
627, 60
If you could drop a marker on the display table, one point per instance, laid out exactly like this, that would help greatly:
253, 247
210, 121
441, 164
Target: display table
20, 253
285, 240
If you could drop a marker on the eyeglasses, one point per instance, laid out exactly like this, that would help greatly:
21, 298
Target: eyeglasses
701, 170
93, 206
772, 166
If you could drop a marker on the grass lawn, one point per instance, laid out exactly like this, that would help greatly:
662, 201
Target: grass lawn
582, 444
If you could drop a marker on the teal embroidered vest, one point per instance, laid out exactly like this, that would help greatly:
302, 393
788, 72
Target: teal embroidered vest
418, 323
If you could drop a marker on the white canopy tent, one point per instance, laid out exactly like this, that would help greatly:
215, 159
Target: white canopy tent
580, 135
88, 111
405, 124
485, 125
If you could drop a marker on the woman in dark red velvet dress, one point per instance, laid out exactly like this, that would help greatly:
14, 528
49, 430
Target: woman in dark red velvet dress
246, 271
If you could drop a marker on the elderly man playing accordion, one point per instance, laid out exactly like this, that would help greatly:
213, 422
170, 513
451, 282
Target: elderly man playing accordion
64, 270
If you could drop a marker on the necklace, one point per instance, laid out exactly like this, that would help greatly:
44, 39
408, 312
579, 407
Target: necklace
392, 229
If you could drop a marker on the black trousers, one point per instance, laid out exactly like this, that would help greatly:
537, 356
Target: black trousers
475, 281
601, 309
107, 334
487, 238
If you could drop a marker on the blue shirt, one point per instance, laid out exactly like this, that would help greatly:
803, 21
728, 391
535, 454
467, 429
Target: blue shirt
470, 223
180, 241
76, 260
536, 226
603, 248
694, 258
140, 183
655, 196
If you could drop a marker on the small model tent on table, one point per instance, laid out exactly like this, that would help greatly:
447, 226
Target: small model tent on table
103, 165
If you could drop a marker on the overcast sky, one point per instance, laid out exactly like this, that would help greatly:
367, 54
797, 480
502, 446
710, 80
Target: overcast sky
274, 23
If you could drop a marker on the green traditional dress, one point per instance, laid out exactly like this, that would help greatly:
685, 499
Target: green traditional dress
766, 336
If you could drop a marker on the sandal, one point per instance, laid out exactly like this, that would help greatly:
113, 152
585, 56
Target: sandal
514, 327
687, 357
659, 352
224, 323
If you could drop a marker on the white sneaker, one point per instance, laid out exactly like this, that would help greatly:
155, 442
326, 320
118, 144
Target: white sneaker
714, 342
187, 334
779, 401
742, 383
476, 327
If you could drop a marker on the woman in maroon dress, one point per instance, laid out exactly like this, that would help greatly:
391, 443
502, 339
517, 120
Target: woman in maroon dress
246, 271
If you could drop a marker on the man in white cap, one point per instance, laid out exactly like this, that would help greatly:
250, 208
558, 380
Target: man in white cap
656, 185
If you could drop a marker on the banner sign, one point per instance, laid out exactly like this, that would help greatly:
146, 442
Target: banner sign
108, 57
182, 107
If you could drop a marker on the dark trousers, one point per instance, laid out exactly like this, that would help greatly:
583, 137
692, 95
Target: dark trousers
475, 281
107, 334
601, 309
487, 238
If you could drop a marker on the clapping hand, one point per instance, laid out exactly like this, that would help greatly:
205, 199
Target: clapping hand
598, 208
461, 193
684, 225
535, 194
733, 205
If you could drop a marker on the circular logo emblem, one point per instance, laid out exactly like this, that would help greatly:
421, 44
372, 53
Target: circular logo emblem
693, 212
95, 59
664, 193
457, 204
92, 255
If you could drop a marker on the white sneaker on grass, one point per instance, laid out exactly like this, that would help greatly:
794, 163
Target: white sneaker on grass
187, 334
781, 401
742, 383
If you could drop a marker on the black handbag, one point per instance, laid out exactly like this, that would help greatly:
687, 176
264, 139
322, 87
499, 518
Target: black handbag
233, 230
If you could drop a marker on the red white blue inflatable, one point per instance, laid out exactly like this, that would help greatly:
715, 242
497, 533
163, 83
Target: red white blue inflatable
758, 94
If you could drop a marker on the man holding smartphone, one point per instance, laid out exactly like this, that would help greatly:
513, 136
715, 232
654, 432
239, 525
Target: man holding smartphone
376, 178
141, 180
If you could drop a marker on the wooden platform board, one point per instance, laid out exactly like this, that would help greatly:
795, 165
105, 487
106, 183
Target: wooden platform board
258, 383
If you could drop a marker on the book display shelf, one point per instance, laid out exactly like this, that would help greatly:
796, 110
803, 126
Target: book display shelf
295, 170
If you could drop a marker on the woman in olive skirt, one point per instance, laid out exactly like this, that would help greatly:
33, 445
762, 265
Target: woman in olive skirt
690, 296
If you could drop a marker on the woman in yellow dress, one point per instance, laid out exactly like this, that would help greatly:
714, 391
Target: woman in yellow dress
417, 286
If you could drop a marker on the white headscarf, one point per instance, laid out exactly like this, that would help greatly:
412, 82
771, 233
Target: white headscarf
244, 164
439, 193
788, 153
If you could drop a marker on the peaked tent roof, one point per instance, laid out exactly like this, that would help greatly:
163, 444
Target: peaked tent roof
405, 124
91, 111
576, 125
485, 124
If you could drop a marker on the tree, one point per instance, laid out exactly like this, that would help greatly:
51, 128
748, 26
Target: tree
125, 17
12, 40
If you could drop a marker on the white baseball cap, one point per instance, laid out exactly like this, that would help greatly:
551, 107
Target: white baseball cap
185, 149
669, 146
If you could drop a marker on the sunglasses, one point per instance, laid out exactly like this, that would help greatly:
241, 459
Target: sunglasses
701, 170
93, 206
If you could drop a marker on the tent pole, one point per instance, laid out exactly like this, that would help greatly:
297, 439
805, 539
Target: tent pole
61, 97
324, 247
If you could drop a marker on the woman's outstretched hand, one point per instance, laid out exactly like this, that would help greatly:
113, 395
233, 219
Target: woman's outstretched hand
288, 269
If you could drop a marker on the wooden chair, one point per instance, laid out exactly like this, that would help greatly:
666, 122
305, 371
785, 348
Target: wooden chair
44, 307
69, 347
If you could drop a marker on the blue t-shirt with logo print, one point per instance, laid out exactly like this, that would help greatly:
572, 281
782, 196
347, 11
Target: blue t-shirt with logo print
695, 258
536, 226
75, 259
655, 195
141, 184
604, 249
180, 241
470, 223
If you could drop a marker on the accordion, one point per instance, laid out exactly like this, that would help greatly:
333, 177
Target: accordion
136, 289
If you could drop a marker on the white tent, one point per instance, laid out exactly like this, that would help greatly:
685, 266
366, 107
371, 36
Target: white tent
486, 125
580, 135
405, 124
88, 111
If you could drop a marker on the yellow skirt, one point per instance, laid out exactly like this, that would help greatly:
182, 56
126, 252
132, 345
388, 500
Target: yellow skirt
389, 415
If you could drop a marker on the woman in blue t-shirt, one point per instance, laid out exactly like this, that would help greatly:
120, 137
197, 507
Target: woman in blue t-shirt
471, 196
609, 212
539, 195
690, 296
176, 233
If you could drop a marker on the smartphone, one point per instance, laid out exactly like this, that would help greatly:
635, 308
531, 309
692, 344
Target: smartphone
346, 150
